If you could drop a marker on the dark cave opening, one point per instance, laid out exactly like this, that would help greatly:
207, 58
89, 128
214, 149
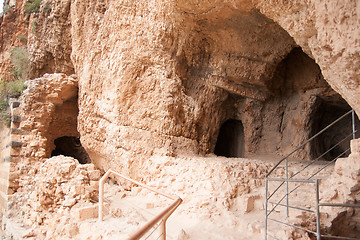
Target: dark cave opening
337, 136
71, 147
230, 141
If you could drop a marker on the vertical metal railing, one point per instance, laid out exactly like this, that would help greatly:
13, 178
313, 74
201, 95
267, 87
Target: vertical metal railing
307, 141
268, 201
288, 179
287, 187
161, 217
353, 123
266, 206
318, 234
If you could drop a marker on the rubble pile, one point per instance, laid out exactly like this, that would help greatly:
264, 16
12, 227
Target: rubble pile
62, 193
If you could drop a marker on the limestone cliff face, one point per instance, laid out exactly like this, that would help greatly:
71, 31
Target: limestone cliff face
158, 80
12, 27
161, 77
45, 34
328, 31
49, 39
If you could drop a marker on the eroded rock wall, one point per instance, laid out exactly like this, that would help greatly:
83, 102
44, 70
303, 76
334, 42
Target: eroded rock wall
48, 111
171, 92
44, 34
328, 32
49, 39
162, 77
168, 74
13, 33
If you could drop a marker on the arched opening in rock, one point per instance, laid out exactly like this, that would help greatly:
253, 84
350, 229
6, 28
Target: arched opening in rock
299, 104
62, 136
230, 141
297, 109
71, 147
337, 138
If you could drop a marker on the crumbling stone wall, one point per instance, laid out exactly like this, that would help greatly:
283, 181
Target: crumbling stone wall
10, 148
161, 77
4, 173
32, 131
48, 112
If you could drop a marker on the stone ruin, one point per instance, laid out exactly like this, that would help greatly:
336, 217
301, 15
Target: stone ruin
198, 98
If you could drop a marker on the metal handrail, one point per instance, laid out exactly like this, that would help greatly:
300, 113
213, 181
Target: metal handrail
339, 205
288, 179
315, 160
292, 225
293, 207
307, 141
326, 152
163, 216
338, 237
302, 181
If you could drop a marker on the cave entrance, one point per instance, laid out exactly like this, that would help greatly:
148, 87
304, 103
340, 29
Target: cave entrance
62, 135
338, 136
230, 141
301, 104
71, 147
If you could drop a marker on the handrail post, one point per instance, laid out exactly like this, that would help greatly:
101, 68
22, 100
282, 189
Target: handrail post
163, 216
287, 188
318, 234
266, 206
101, 199
163, 229
309, 140
101, 195
353, 123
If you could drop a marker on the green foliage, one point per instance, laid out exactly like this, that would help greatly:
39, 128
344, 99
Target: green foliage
11, 89
20, 61
3, 105
15, 88
32, 6
47, 8
8, 90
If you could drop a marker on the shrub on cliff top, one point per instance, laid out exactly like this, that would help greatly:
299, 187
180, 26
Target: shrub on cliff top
15, 88
9, 90
6, 9
32, 6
